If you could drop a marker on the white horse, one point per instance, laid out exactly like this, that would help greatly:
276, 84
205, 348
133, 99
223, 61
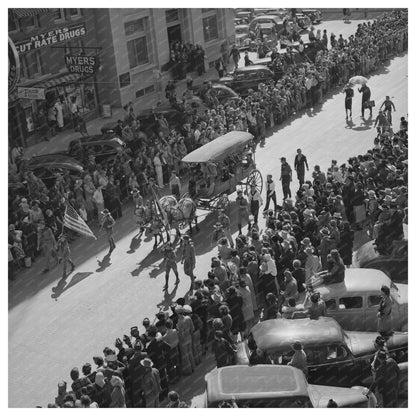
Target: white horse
178, 212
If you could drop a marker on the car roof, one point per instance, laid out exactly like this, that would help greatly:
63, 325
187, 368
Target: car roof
56, 159
251, 68
266, 25
242, 26
274, 17
356, 281
279, 334
243, 382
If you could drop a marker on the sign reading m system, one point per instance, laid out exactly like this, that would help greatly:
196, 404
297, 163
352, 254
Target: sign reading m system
81, 64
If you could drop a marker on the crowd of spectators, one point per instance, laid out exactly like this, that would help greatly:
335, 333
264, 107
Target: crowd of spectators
185, 58
155, 153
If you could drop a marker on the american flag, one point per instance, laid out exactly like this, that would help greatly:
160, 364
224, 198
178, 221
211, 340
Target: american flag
73, 221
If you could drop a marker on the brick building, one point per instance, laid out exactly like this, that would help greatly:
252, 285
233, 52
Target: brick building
127, 48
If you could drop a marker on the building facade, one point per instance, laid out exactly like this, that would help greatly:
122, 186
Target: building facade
85, 59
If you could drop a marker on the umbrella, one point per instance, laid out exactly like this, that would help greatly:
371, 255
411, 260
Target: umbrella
358, 79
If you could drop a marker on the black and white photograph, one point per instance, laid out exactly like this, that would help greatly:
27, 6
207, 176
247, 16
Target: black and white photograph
207, 207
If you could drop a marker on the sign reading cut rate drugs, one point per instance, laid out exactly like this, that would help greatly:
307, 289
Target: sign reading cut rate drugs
52, 37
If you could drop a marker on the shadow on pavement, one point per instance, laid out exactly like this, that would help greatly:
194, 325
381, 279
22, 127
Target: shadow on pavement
168, 298
135, 242
104, 263
62, 286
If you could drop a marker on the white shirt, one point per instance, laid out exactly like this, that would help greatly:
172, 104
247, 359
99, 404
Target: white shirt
270, 188
255, 197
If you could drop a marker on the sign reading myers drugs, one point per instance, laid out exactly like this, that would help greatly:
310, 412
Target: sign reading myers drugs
81, 64
52, 37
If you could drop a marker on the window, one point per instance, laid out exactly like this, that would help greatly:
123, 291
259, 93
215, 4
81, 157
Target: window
12, 22
373, 300
27, 22
124, 79
134, 26
31, 64
75, 12
331, 304
145, 91
355, 302
210, 26
59, 14
137, 51
172, 15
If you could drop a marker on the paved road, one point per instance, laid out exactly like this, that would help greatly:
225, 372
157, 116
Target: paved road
52, 328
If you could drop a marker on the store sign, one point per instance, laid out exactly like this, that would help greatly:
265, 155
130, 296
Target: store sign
14, 66
81, 64
52, 37
31, 93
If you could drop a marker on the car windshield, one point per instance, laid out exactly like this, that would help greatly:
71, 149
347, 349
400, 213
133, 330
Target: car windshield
241, 30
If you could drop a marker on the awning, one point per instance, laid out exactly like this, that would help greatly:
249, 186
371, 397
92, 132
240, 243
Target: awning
47, 83
29, 12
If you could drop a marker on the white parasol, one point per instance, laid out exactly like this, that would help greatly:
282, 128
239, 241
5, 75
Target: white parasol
358, 79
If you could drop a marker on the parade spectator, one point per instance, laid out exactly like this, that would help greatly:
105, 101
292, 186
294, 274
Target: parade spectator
151, 383
299, 358
223, 350
175, 402
188, 257
384, 320
300, 164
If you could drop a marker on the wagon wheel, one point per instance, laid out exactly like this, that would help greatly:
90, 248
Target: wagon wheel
254, 178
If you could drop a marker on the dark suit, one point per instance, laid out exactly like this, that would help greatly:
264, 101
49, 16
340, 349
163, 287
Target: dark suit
300, 164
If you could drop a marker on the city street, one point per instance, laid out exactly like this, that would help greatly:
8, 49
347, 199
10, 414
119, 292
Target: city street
53, 328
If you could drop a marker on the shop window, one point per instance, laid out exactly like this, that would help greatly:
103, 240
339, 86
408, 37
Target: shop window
124, 79
59, 14
210, 25
172, 15
137, 51
374, 300
354, 302
134, 26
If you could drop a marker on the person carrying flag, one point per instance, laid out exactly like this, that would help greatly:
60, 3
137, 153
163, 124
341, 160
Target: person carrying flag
64, 254
108, 224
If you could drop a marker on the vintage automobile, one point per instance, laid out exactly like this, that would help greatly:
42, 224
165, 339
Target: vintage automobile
103, 147
354, 302
335, 357
224, 94
47, 167
247, 77
313, 14
395, 264
242, 36
244, 14
274, 386
303, 21
282, 13
276, 21
269, 32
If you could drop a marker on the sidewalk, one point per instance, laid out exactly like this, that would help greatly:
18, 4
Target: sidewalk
61, 140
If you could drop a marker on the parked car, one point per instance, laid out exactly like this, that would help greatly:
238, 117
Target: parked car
304, 22
268, 30
274, 386
354, 302
313, 14
282, 13
103, 147
335, 357
395, 265
242, 36
224, 94
47, 167
276, 21
244, 14
247, 77
241, 21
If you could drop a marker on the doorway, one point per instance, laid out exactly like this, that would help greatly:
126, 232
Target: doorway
174, 34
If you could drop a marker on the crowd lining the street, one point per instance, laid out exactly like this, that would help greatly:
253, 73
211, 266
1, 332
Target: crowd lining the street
260, 275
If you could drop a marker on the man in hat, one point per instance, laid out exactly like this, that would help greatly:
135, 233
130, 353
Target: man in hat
174, 401
317, 307
286, 178
242, 210
270, 193
365, 90
64, 254
170, 263
299, 358
218, 234
188, 257
108, 224
151, 383
226, 226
